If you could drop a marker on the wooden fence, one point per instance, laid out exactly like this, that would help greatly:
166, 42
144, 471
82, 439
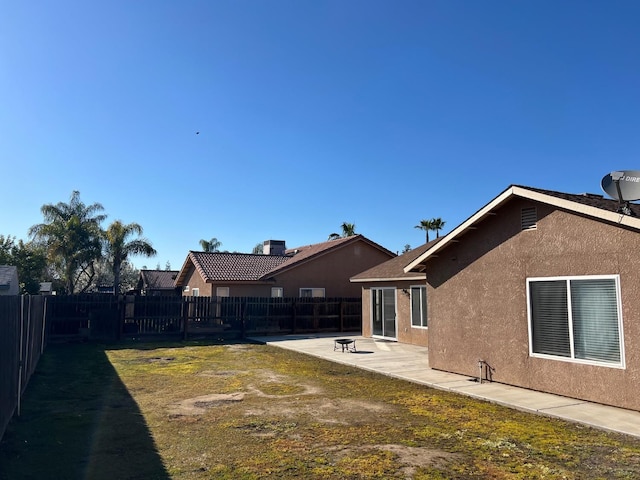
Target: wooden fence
105, 317
28, 323
22, 341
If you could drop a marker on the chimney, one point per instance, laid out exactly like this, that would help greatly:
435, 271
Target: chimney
274, 247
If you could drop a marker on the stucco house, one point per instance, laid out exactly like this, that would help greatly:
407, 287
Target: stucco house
394, 302
540, 288
158, 283
318, 270
9, 280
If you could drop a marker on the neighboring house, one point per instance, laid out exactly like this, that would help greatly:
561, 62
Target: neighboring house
541, 289
158, 283
46, 288
9, 280
319, 270
394, 302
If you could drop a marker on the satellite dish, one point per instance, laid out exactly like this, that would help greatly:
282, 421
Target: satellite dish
622, 185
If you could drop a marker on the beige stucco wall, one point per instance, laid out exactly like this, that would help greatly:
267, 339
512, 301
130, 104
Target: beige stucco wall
478, 305
406, 333
332, 271
194, 280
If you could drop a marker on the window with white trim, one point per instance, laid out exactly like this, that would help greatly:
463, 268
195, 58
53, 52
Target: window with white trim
222, 291
576, 319
195, 292
419, 306
277, 292
312, 293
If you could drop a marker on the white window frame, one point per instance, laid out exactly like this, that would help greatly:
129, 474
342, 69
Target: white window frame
424, 321
571, 358
222, 291
195, 292
277, 292
316, 292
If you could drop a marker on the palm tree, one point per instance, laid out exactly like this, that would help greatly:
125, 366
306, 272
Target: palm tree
348, 230
425, 225
437, 224
118, 247
71, 234
212, 245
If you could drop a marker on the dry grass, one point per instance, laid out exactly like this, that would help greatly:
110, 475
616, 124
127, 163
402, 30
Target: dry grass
247, 411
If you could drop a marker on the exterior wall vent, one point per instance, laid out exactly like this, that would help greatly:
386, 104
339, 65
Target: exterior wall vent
529, 218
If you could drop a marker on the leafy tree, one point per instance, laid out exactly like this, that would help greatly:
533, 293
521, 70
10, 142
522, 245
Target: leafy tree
258, 249
6, 246
437, 224
129, 276
348, 230
73, 238
425, 225
167, 266
212, 245
118, 247
407, 248
29, 258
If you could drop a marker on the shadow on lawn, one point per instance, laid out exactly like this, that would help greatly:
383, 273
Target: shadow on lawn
78, 421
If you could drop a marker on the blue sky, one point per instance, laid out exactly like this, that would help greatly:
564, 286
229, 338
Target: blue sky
310, 113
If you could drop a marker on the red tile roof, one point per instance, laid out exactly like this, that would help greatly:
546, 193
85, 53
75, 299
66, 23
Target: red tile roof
308, 252
216, 266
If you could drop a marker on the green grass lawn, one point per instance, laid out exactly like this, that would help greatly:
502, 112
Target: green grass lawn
244, 411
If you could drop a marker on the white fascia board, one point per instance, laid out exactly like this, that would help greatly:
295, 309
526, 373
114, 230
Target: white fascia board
390, 279
606, 215
460, 228
594, 212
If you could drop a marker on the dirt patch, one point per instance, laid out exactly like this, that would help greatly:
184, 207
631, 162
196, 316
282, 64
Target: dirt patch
410, 458
217, 373
199, 405
415, 457
161, 359
336, 412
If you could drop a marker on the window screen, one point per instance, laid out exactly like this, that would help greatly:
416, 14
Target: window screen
576, 318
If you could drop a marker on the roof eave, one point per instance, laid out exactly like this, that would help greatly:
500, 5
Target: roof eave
515, 191
389, 279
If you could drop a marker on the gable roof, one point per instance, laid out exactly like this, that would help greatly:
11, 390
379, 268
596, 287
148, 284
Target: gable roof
218, 266
393, 270
250, 267
311, 252
8, 274
158, 279
587, 204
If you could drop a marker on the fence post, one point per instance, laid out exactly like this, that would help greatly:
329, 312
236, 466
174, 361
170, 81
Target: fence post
122, 309
243, 327
341, 315
44, 324
293, 317
185, 317
20, 356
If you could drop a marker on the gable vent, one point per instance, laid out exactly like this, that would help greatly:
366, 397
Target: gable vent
529, 218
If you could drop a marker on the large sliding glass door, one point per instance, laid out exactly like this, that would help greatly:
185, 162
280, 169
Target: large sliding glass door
383, 312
